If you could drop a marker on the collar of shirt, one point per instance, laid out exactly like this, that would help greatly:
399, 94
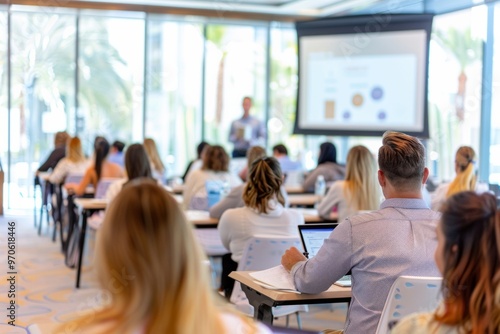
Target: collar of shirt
274, 209
406, 203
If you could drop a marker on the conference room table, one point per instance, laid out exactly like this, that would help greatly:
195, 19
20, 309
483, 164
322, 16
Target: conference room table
199, 219
263, 299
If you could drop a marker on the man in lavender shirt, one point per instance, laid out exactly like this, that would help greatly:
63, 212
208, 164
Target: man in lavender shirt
398, 239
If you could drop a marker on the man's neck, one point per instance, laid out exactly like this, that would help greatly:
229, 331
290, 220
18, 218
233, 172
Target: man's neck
403, 194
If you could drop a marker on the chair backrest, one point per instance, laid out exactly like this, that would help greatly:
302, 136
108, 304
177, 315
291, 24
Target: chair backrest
409, 294
73, 178
103, 185
264, 252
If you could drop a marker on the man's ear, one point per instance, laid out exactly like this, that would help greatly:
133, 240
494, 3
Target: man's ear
381, 178
426, 175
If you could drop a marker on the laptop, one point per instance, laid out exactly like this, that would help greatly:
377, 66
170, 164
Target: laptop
312, 237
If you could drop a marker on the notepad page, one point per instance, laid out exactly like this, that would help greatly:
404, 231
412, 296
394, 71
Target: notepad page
276, 277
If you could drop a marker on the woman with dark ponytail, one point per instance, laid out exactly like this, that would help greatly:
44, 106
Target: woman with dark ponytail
102, 168
264, 212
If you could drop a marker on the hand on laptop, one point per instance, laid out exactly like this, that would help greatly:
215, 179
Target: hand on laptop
291, 257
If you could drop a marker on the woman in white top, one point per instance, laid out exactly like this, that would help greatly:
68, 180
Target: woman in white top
215, 168
152, 271
74, 162
468, 256
360, 190
465, 178
263, 213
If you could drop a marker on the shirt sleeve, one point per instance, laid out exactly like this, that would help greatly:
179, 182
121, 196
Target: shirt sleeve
231, 201
232, 132
224, 228
332, 198
59, 173
333, 261
310, 179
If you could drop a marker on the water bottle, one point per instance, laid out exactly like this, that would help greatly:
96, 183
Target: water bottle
320, 186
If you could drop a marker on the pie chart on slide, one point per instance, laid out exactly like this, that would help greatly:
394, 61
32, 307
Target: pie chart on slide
377, 93
357, 100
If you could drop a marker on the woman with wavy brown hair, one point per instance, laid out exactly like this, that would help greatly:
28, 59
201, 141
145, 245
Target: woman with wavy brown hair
263, 213
215, 168
468, 256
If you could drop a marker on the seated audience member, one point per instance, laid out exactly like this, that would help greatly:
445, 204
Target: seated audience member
465, 178
195, 164
327, 166
74, 162
102, 168
280, 152
377, 247
136, 166
157, 167
215, 168
164, 285
468, 256
59, 152
359, 191
116, 153
263, 214
235, 197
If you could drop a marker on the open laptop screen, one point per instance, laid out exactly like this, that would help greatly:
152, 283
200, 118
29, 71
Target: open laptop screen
313, 236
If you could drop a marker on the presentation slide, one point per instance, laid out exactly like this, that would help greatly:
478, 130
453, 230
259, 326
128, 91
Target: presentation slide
369, 82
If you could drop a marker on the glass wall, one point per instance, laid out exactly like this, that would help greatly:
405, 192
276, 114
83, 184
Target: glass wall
111, 79
495, 106
235, 67
174, 90
42, 93
455, 75
283, 91
4, 112
196, 72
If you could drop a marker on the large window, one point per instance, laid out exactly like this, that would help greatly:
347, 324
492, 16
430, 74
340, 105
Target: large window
111, 78
42, 93
455, 75
495, 107
283, 91
235, 67
174, 67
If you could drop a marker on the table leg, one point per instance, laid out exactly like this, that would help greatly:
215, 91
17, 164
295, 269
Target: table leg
81, 244
265, 314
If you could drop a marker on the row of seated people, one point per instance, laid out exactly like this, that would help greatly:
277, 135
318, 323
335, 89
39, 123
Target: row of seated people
168, 289
402, 174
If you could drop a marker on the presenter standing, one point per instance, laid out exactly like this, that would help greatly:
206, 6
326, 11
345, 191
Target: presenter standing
246, 131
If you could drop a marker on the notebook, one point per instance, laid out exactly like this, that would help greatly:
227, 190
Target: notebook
312, 237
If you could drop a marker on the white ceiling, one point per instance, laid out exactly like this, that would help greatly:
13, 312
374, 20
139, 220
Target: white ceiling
300, 8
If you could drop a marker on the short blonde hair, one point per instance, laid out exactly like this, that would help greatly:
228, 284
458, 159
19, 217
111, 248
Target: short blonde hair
254, 153
61, 138
264, 183
402, 160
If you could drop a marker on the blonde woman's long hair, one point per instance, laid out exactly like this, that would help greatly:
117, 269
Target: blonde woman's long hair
74, 150
151, 268
464, 166
154, 156
362, 189
264, 184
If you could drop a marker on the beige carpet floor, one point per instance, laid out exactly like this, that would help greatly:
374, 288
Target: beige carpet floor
45, 292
